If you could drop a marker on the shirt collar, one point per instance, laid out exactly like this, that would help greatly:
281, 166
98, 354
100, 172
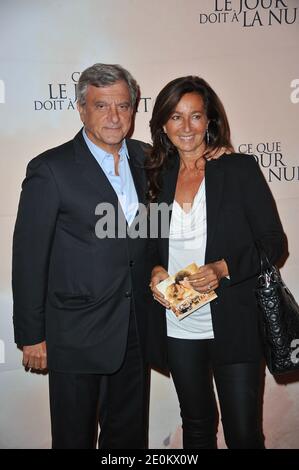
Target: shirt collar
100, 153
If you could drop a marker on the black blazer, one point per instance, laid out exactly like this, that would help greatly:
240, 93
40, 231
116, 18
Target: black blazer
240, 210
70, 288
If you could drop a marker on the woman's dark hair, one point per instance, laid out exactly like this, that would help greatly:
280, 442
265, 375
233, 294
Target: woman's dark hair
163, 150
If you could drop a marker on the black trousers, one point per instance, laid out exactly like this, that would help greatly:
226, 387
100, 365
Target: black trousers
79, 403
192, 367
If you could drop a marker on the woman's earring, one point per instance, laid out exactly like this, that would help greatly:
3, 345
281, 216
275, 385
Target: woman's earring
162, 137
207, 136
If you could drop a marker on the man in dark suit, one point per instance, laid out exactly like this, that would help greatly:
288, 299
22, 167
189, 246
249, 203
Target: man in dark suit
78, 294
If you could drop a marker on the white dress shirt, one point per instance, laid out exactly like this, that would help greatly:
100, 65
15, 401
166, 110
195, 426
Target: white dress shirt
122, 183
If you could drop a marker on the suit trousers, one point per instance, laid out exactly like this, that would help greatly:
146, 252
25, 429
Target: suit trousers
118, 403
192, 366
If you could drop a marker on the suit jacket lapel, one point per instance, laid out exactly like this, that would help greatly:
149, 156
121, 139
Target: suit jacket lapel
91, 170
138, 172
214, 177
169, 181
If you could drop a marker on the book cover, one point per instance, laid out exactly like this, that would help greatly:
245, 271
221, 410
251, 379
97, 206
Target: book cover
180, 294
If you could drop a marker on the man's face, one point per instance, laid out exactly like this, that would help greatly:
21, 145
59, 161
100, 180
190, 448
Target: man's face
107, 115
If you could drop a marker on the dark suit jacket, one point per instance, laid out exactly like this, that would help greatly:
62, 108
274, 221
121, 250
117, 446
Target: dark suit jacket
240, 211
70, 288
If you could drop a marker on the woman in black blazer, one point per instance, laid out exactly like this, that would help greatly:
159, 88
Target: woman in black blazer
230, 205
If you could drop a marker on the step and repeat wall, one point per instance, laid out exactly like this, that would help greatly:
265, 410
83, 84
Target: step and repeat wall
246, 49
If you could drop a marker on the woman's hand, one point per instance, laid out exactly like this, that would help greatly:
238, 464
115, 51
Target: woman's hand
158, 275
209, 276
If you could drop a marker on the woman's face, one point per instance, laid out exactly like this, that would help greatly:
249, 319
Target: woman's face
186, 127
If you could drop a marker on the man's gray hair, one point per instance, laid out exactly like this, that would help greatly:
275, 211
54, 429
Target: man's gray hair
102, 75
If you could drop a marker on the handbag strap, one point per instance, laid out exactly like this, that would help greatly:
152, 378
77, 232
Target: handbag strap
269, 273
264, 260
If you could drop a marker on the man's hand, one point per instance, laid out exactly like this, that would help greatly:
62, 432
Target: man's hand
209, 276
35, 356
214, 154
158, 275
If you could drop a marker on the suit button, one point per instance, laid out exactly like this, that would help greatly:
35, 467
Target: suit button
131, 263
128, 295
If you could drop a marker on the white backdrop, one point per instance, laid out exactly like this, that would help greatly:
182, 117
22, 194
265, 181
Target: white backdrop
246, 49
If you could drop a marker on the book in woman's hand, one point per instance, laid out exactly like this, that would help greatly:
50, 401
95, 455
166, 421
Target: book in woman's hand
181, 295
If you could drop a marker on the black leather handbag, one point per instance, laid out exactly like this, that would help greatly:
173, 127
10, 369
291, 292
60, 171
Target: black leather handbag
279, 319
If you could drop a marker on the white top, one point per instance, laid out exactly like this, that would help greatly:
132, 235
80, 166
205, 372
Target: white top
187, 244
